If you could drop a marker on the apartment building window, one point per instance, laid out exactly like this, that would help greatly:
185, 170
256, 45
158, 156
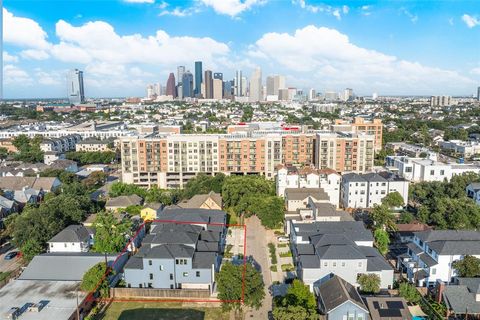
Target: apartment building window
171, 276
181, 261
325, 264
197, 274
150, 285
351, 316
432, 172
149, 262
343, 264
171, 286
442, 172
160, 268
359, 264
434, 271
151, 276
185, 274
334, 264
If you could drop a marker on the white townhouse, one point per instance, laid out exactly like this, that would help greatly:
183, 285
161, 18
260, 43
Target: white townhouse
430, 255
367, 190
74, 238
291, 177
419, 169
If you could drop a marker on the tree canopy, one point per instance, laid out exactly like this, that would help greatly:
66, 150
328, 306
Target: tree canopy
110, 233
91, 157
393, 199
382, 240
468, 267
95, 279
445, 204
36, 225
230, 283
369, 283
383, 218
28, 149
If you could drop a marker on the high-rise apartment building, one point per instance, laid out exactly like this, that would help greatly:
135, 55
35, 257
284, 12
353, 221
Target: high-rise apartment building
76, 93
187, 84
217, 89
344, 152
360, 125
312, 94
208, 81
238, 83
171, 89
256, 86
198, 78
170, 160
348, 94
440, 101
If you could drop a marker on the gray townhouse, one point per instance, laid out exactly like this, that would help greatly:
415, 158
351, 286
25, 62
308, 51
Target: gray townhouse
430, 255
179, 254
343, 248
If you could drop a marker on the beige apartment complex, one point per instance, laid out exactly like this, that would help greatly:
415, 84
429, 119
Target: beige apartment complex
169, 161
360, 125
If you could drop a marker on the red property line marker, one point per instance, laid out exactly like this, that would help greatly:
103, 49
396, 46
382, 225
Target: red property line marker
90, 297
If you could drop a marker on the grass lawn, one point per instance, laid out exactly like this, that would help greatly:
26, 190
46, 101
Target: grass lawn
160, 311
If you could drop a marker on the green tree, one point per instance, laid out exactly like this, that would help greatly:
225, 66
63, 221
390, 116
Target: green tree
236, 187
369, 283
28, 149
393, 199
383, 218
298, 294
203, 184
230, 283
94, 157
409, 292
382, 240
95, 180
406, 217
110, 233
292, 313
468, 267
96, 279
31, 248
269, 209
3, 153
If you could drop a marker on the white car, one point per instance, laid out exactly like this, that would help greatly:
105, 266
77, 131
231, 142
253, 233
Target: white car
283, 239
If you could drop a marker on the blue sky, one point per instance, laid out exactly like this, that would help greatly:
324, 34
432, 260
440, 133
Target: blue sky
389, 47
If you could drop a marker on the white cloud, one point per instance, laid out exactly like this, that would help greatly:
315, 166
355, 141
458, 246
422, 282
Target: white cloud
475, 71
413, 17
322, 8
51, 78
470, 21
9, 58
139, 1
98, 41
23, 32
450, 21
15, 75
326, 57
231, 8
163, 5
179, 12
35, 54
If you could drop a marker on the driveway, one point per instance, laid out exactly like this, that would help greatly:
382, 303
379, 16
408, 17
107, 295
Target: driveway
257, 248
8, 265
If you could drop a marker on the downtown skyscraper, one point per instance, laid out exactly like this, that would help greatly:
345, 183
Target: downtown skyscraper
256, 86
208, 81
238, 83
187, 84
171, 90
198, 78
76, 93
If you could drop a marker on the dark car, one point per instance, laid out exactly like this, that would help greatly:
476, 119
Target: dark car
11, 255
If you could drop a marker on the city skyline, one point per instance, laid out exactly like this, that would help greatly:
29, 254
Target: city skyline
325, 46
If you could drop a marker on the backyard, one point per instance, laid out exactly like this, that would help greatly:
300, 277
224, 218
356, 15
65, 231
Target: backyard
161, 310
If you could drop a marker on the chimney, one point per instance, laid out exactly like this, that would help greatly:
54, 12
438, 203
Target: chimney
439, 291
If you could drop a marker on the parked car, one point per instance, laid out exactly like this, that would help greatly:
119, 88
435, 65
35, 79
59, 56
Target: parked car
11, 255
283, 239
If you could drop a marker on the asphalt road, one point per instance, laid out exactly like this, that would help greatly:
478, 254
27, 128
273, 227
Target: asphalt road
257, 248
8, 265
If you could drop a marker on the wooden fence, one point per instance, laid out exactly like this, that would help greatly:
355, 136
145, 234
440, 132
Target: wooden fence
159, 293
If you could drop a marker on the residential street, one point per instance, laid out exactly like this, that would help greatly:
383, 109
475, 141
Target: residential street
257, 239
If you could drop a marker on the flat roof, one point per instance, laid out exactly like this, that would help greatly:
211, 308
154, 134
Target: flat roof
59, 298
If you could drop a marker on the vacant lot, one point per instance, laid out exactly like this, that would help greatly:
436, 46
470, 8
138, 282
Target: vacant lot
160, 311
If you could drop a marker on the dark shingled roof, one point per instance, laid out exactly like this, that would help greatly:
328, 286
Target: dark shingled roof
336, 291
461, 297
352, 177
203, 260
452, 241
72, 233
303, 193
354, 230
